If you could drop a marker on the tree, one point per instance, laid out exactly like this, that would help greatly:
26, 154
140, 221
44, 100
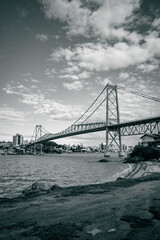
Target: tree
146, 153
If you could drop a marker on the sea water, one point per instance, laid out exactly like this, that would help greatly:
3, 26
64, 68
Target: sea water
18, 172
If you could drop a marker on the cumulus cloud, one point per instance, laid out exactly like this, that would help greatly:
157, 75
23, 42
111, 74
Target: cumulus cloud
77, 85
123, 75
8, 113
42, 37
82, 75
61, 53
105, 22
70, 12
156, 23
42, 104
104, 82
103, 57
101, 20
69, 76
146, 67
50, 72
34, 80
71, 68
85, 74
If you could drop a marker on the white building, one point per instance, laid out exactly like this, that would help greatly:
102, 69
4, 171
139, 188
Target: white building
17, 140
102, 147
150, 139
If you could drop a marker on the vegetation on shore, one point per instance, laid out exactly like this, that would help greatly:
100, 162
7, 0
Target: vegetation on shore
142, 153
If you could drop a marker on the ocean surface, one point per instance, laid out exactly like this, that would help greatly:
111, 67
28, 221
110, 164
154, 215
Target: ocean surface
18, 172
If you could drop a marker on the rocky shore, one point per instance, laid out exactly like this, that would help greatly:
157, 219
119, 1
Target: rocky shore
125, 209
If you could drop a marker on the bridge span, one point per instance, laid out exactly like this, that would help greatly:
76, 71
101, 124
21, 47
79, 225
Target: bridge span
112, 126
138, 127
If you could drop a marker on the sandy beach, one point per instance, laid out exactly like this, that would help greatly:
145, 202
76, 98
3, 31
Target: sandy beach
125, 209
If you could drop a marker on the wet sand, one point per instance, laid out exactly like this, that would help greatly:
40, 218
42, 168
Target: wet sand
127, 209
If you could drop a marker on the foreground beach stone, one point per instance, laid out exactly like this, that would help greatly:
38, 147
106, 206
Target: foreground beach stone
124, 209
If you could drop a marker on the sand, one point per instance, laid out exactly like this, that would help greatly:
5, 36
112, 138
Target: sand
128, 208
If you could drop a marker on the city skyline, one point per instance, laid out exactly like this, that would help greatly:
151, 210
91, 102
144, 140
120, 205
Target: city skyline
57, 55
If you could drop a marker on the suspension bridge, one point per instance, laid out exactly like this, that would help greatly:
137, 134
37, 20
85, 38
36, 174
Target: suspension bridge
111, 124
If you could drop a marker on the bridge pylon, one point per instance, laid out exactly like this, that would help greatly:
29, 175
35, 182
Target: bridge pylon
38, 132
37, 135
112, 117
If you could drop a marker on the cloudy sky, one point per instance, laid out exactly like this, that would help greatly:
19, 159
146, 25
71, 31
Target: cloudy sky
57, 55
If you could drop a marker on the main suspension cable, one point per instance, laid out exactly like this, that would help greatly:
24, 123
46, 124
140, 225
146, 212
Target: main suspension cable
139, 94
94, 110
90, 106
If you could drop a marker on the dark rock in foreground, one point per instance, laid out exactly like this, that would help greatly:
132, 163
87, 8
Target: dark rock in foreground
104, 160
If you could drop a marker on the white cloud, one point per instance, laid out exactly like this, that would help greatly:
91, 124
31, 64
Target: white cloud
42, 37
57, 37
21, 87
50, 72
10, 89
8, 113
102, 57
77, 85
102, 21
123, 75
71, 68
59, 111
56, 9
105, 22
70, 12
60, 53
85, 74
156, 23
147, 67
105, 81
82, 75
43, 105
152, 45
69, 76
34, 86
34, 80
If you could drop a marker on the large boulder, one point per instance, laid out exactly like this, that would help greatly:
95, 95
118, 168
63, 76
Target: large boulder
36, 187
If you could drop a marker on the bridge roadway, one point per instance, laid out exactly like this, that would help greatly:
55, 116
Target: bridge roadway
138, 127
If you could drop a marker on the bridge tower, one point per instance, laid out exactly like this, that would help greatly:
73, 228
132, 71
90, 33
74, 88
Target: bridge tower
37, 135
38, 132
112, 117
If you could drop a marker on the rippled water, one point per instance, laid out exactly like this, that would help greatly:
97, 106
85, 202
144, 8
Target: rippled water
18, 172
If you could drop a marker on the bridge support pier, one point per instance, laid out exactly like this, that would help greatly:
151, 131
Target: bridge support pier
107, 154
120, 154
41, 149
34, 149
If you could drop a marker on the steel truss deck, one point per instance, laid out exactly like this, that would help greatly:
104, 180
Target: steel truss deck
149, 125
